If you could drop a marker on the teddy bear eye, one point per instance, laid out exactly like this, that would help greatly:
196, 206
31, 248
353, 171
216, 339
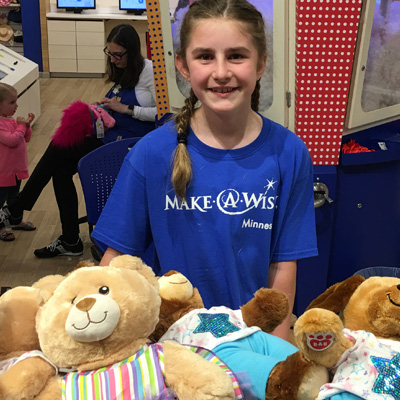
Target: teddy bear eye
104, 290
73, 300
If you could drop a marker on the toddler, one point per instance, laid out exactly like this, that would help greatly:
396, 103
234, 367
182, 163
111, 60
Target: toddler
14, 134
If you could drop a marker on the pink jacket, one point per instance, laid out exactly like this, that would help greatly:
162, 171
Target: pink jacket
13, 151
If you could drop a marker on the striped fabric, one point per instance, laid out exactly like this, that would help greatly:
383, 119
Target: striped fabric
138, 377
210, 356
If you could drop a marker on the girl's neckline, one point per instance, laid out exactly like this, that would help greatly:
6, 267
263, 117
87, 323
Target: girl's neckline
239, 152
229, 133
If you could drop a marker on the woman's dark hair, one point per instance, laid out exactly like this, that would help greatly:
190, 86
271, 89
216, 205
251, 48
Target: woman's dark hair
125, 35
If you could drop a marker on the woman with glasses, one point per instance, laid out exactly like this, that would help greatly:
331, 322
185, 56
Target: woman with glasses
132, 96
131, 102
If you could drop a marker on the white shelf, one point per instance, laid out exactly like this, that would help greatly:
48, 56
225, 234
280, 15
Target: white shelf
86, 34
89, 14
76, 46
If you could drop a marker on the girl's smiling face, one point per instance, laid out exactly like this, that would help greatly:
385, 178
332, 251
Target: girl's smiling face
9, 105
222, 64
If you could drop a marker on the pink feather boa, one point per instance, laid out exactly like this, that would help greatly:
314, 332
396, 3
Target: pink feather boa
76, 124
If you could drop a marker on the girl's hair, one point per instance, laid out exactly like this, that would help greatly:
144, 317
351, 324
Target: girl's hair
126, 36
235, 10
5, 89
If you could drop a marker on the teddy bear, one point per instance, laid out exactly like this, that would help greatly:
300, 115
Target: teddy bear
266, 366
267, 309
23, 370
353, 328
95, 328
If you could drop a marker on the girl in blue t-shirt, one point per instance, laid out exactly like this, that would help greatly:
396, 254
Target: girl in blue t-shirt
239, 212
225, 195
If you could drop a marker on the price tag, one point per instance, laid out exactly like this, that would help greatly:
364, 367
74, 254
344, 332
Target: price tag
99, 128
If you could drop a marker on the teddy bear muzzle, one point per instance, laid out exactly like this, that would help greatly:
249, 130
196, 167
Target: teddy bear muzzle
92, 318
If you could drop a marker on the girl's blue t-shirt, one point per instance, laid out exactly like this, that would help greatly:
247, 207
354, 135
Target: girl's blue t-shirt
244, 208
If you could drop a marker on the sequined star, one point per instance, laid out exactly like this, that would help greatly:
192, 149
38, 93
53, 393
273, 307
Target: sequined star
388, 380
217, 324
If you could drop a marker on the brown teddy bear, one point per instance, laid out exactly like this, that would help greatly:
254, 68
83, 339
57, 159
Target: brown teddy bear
267, 309
98, 321
24, 371
277, 374
361, 344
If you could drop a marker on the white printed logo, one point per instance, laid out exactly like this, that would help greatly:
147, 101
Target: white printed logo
228, 201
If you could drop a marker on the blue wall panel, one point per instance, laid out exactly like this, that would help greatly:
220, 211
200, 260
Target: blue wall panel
312, 273
31, 31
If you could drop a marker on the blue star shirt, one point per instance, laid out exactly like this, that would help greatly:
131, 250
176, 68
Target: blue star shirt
250, 353
370, 369
209, 328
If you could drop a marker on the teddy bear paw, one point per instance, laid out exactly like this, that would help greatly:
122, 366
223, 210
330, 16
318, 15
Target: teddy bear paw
318, 334
267, 309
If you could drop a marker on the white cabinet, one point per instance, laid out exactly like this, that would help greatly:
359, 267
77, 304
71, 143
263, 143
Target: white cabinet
76, 46
89, 46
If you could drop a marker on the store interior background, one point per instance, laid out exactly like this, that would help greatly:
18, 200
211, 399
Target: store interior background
359, 229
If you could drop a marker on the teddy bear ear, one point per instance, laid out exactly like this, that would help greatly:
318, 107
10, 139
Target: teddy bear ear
336, 297
47, 286
136, 264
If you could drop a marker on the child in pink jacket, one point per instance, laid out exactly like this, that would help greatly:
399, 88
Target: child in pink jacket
14, 134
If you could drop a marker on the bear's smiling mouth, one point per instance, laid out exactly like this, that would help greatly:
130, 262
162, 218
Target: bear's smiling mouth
90, 321
394, 303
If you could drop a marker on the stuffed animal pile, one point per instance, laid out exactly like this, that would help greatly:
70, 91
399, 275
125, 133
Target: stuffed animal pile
94, 327
354, 329
260, 361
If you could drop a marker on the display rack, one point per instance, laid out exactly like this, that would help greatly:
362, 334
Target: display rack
15, 43
23, 75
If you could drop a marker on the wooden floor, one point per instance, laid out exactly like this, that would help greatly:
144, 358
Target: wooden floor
18, 265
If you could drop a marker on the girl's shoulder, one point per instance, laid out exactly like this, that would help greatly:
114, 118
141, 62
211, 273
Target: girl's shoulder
282, 135
7, 122
159, 139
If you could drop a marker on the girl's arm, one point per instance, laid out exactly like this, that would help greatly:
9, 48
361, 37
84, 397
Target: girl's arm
108, 256
282, 276
28, 122
12, 136
28, 134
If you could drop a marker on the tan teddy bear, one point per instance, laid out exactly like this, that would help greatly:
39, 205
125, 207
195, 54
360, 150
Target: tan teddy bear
23, 370
97, 323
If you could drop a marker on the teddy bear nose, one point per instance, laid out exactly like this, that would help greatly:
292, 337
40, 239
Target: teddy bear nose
86, 304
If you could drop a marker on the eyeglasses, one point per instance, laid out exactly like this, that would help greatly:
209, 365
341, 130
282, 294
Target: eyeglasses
117, 56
